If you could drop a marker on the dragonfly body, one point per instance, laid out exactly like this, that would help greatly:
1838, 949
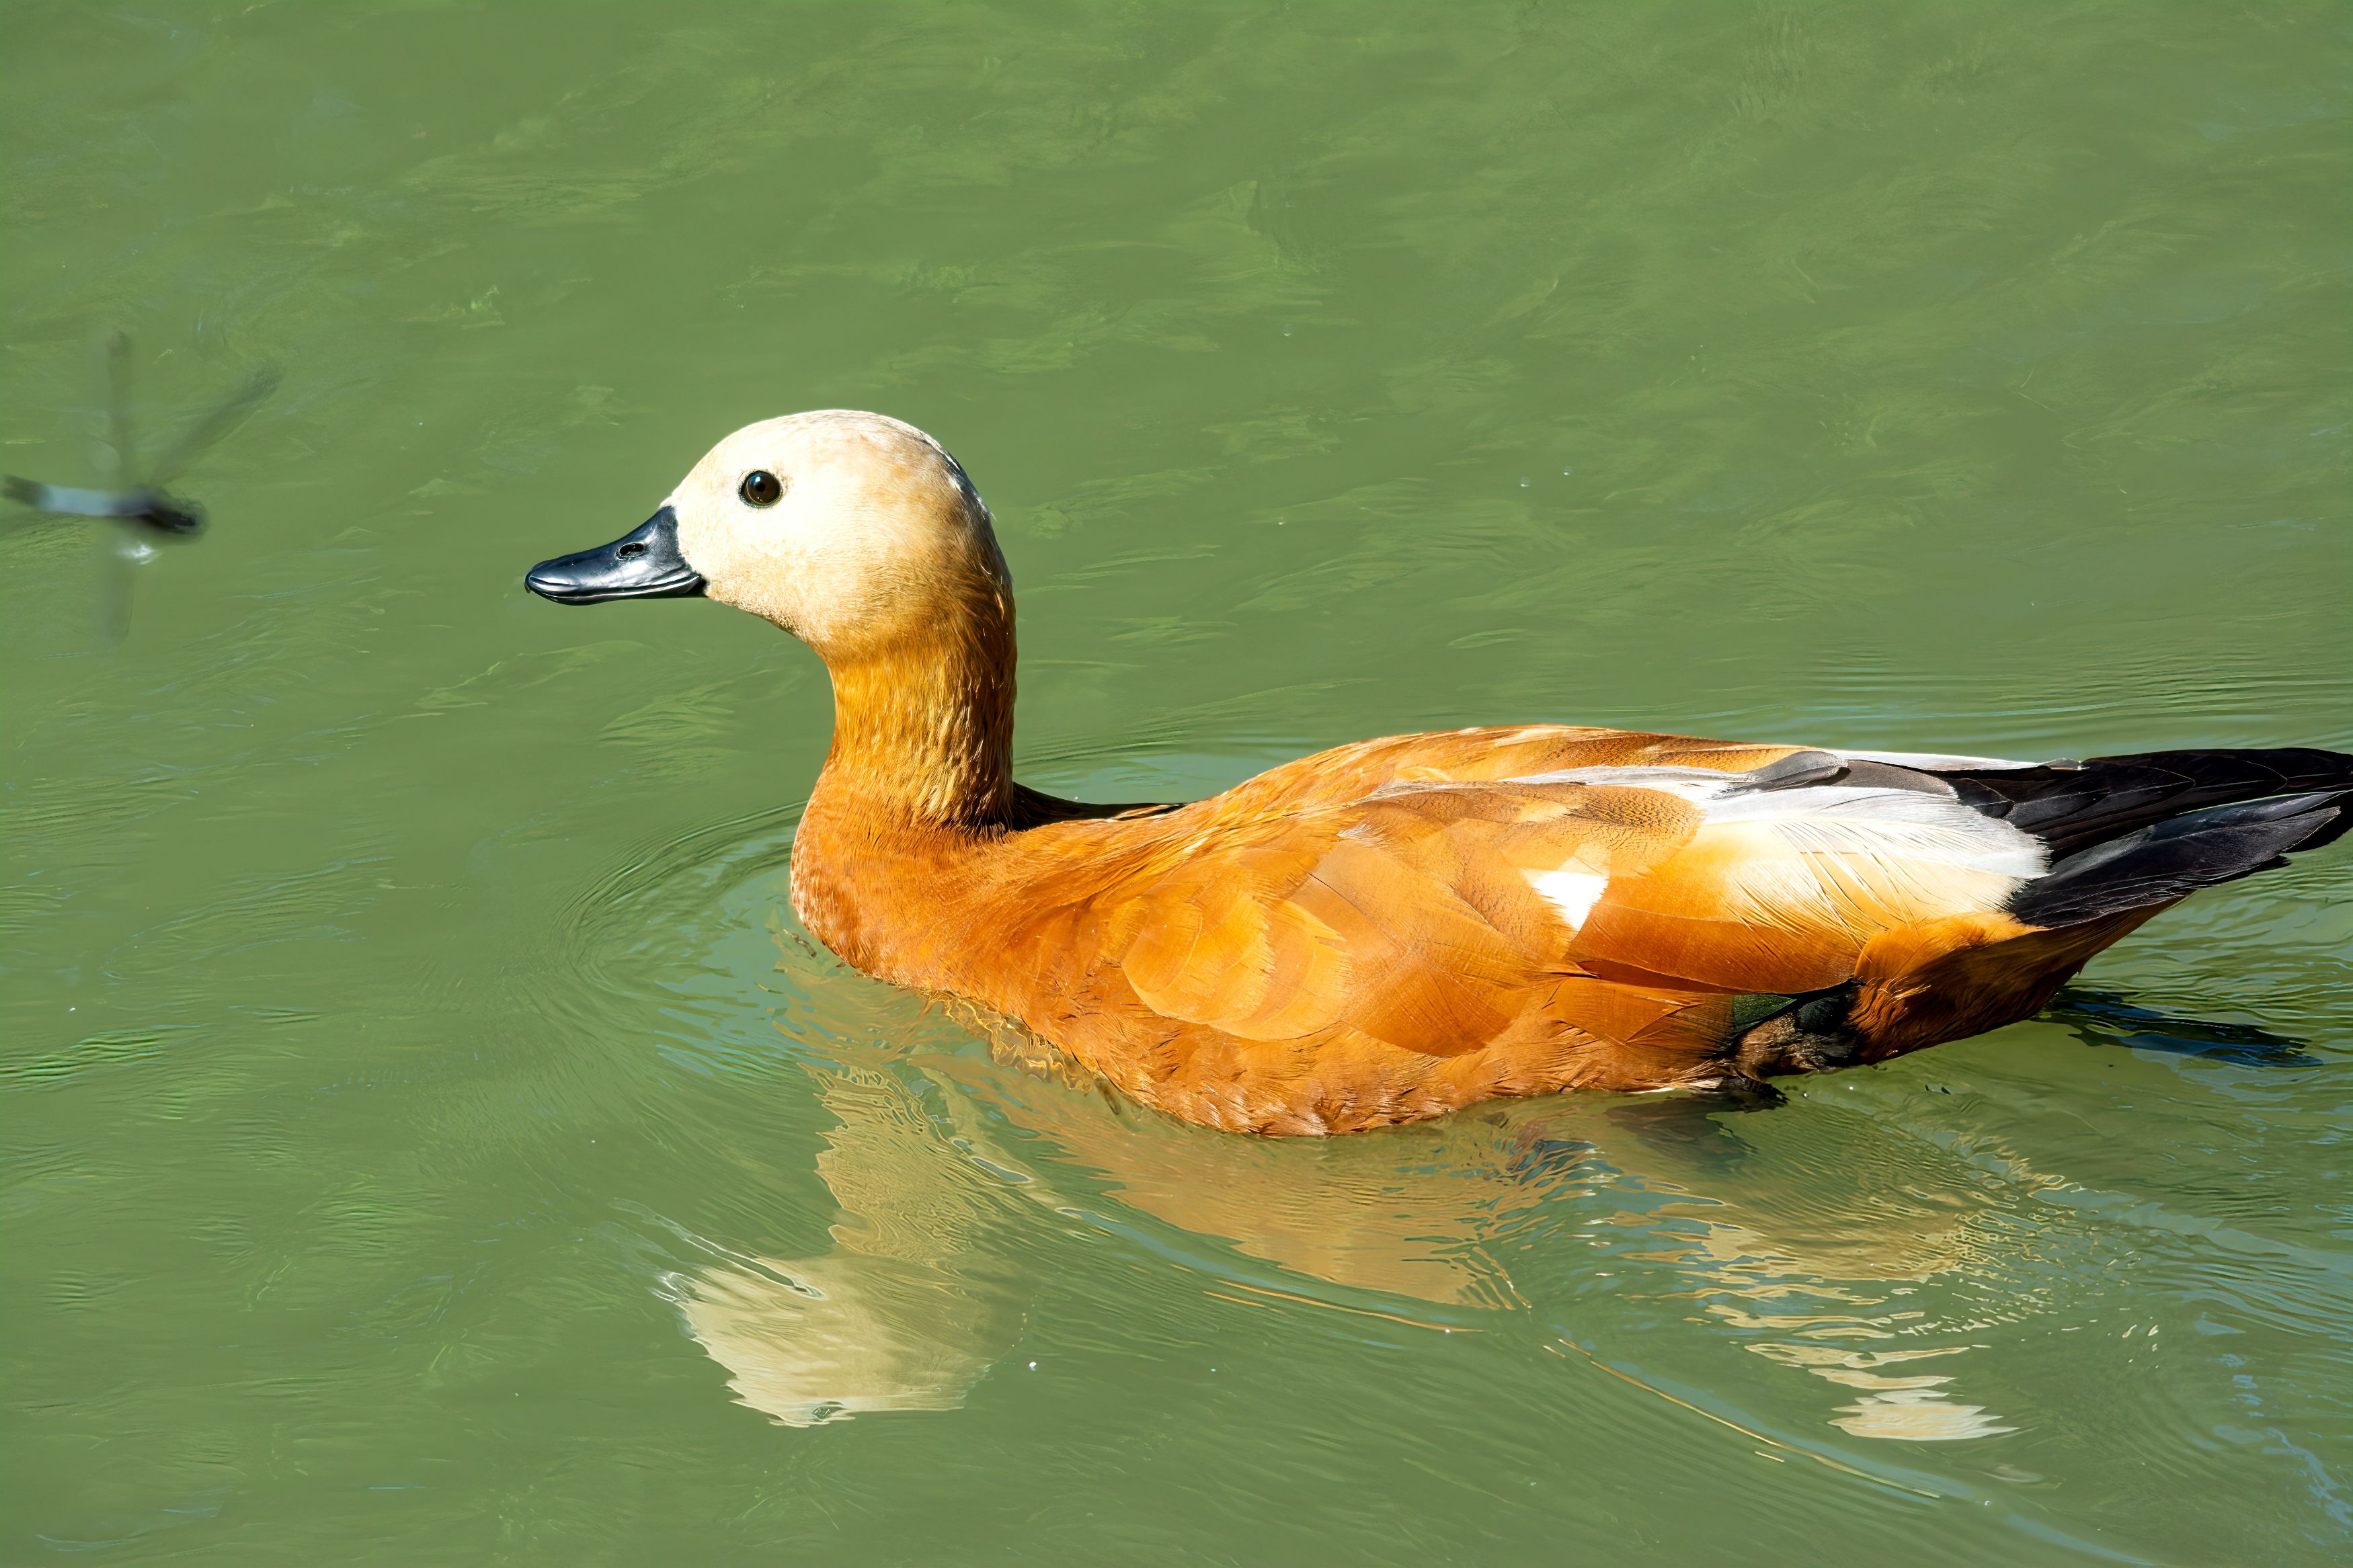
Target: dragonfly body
138, 506
157, 508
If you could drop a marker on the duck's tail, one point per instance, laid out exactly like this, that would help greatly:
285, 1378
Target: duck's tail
2140, 832
2128, 835
2171, 859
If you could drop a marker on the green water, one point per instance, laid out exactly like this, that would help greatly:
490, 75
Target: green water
428, 1138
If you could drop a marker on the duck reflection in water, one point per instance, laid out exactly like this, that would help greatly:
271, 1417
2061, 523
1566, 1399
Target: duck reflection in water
1821, 1254
905, 1313
911, 1306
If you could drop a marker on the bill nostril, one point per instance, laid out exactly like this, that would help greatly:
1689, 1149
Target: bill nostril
635, 547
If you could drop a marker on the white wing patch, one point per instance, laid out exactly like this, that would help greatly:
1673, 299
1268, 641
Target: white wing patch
1839, 819
1697, 785
1572, 893
1928, 760
1827, 857
1900, 823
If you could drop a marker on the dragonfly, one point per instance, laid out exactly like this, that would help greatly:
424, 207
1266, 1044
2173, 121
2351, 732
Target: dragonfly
137, 509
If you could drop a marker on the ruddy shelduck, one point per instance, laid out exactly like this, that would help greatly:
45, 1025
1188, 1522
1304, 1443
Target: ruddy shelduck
1394, 929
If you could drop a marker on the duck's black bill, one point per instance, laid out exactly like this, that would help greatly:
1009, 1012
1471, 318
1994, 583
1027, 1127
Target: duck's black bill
643, 564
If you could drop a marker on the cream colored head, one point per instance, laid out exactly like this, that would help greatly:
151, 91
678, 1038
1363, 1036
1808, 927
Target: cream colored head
876, 538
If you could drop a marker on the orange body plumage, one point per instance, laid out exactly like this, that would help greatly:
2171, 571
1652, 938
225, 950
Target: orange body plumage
1396, 928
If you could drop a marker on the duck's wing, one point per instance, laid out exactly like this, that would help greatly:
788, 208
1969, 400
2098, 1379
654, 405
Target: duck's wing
1791, 869
1438, 914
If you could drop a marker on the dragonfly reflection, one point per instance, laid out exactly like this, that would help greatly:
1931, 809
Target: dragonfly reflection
137, 509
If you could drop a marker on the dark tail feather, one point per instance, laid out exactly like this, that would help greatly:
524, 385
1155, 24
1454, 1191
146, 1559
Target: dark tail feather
2173, 858
2071, 806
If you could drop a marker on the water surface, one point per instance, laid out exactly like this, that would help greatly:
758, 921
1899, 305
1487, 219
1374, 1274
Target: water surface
427, 1136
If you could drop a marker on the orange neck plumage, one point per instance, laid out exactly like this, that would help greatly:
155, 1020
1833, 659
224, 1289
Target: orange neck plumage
920, 772
922, 731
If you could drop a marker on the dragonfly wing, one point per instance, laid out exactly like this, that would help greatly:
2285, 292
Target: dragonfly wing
232, 412
121, 435
117, 561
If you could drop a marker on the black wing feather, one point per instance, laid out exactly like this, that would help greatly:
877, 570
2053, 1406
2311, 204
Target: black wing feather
2173, 858
2074, 806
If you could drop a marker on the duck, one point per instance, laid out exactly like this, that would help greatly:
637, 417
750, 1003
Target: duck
1392, 929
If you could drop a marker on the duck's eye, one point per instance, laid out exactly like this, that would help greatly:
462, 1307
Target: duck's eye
761, 487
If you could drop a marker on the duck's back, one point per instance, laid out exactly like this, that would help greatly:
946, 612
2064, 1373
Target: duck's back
1387, 931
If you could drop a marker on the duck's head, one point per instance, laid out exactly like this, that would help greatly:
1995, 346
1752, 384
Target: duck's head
855, 532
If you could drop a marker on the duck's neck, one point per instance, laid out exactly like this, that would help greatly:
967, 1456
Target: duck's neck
923, 732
